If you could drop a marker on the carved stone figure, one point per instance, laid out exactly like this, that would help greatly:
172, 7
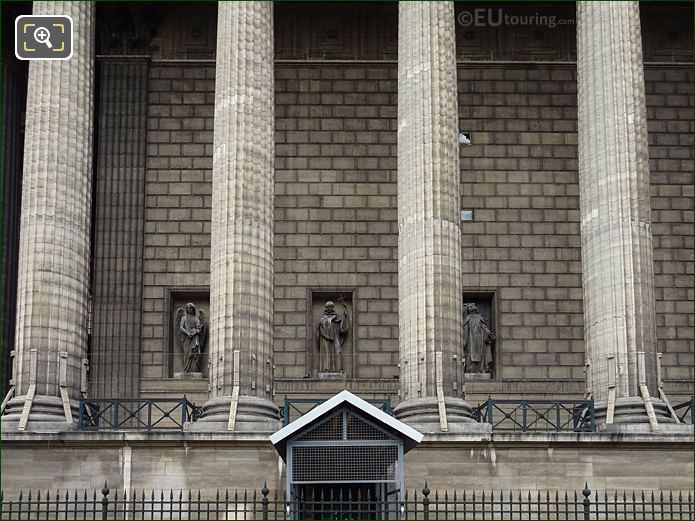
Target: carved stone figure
332, 331
477, 341
191, 330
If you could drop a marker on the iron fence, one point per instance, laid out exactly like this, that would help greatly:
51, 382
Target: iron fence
100, 414
297, 407
503, 415
685, 409
422, 505
538, 415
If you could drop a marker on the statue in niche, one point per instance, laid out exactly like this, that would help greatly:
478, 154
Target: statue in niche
332, 331
191, 330
477, 341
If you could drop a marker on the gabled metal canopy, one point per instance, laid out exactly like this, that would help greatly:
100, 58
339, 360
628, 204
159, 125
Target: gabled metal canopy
345, 399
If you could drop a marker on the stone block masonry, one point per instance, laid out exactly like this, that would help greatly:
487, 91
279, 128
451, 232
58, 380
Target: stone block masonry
335, 212
669, 93
520, 178
207, 463
178, 199
336, 208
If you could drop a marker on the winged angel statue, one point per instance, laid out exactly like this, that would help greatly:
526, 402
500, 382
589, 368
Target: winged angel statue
191, 330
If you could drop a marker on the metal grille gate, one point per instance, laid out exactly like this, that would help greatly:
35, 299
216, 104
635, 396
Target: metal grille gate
344, 467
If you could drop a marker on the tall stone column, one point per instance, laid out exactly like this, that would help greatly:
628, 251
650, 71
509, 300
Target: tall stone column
429, 235
53, 285
241, 271
617, 258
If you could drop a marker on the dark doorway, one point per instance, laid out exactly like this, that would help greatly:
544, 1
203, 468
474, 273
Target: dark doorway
341, 501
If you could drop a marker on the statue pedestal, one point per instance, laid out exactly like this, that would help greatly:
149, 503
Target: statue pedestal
332, 376
476, 376
188, 376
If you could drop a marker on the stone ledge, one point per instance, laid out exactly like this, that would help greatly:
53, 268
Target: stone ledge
563, 438
431, 439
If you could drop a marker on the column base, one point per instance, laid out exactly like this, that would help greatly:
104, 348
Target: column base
631, 416
253, 415
422, 414
46, 415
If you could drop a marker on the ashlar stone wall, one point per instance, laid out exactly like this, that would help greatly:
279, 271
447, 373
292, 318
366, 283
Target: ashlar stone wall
336, 214
178, 200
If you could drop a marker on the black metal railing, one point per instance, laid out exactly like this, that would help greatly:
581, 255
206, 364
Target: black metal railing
538, 415
102, 414
296, 407
686, 411
425, 505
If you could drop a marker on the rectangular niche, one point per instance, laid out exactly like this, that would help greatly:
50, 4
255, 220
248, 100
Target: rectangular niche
317, 363
486, 302
178, 298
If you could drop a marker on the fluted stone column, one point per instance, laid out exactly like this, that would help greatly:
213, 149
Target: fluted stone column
617, 259
429, 236
241, 271
55, 226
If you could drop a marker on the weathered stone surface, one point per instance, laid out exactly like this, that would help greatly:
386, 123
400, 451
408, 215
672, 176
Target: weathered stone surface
617, 254
208, 461
429, 236
241, 265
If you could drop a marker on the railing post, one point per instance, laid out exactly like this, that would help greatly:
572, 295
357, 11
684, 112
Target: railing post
425, 502
593, 416
587, 503
184, 409
80, 421
105, 501
286, 415
115, 414
489, 410
558, 420
524, 420
264, 501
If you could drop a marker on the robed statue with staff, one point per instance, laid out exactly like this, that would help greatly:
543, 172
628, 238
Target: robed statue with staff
332, 332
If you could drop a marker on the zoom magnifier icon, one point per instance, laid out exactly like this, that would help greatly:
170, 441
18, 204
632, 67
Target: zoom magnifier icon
43, 35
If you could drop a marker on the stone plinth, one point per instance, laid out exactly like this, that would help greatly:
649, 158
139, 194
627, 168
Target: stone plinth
422, 414
331, 376
188, 376
476, 376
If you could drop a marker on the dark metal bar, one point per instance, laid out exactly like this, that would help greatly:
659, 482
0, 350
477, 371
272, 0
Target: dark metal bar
265, 500
133, 411
539, 415
115, 414
349, 503
105, 501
